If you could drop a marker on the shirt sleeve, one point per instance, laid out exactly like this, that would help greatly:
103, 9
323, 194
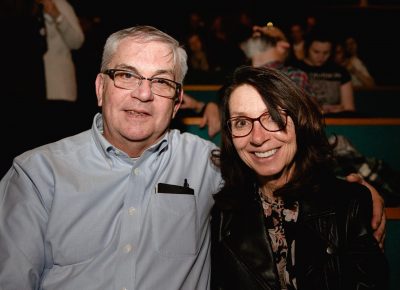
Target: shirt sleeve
22, 227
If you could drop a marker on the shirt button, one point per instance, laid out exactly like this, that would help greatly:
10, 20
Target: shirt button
136, 171
127, 248
131, 210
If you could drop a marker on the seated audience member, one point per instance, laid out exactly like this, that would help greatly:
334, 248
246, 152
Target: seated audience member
297, 42
197, 56
128, 196
340, 55
360, 75
203, 68
330, 82
282, 219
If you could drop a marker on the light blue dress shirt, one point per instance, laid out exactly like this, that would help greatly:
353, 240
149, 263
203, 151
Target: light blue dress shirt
79, 214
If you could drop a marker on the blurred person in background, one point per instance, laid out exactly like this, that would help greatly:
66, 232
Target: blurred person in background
267, 46
64, 33
330, 82
360, 75
297, 42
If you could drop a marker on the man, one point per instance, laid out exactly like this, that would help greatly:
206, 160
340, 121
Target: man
124, 205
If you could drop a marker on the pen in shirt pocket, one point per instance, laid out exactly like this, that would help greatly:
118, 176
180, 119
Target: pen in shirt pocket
185, 183
175, 189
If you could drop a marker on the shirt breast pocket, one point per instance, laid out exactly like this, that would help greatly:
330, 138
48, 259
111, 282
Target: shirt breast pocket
175, 223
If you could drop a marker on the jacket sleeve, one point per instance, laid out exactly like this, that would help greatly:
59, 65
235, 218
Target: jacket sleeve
365, 262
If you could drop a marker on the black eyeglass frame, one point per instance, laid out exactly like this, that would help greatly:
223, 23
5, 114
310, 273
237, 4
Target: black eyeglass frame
229, 123
111, 74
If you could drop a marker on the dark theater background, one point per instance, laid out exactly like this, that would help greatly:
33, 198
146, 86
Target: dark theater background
26, 123
374, 22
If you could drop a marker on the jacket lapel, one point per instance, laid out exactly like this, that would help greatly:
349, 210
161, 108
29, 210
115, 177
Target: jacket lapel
245, 235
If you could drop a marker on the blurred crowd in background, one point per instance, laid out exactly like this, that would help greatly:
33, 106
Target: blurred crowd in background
223, 24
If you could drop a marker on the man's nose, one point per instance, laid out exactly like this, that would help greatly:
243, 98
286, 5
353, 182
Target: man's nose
143, 91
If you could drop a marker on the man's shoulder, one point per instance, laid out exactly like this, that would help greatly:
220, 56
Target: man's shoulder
65, 146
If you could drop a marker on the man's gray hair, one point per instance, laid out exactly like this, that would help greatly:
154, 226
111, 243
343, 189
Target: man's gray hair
146, 34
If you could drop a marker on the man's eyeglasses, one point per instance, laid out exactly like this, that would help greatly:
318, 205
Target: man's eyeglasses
129, 80
242, 126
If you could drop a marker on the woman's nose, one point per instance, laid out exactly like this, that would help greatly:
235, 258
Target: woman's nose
259, 135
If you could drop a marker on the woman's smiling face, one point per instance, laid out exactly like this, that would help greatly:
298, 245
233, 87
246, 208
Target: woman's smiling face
269, 154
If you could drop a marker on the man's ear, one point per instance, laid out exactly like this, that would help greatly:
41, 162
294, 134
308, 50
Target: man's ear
178, 101
99, 88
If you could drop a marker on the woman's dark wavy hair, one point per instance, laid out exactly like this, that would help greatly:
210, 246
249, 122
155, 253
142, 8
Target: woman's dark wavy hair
313, 159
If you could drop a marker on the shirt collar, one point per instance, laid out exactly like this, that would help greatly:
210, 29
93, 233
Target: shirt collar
109, 151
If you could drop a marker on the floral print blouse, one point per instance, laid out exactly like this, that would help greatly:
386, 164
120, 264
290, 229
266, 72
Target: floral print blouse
279, 220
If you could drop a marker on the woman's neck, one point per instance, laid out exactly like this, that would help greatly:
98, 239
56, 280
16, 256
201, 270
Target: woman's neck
269, 184
267, 191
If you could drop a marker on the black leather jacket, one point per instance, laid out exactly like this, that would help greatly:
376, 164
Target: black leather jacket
334, 247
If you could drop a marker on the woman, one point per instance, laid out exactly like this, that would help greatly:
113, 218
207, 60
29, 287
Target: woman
282, 219
330, 82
